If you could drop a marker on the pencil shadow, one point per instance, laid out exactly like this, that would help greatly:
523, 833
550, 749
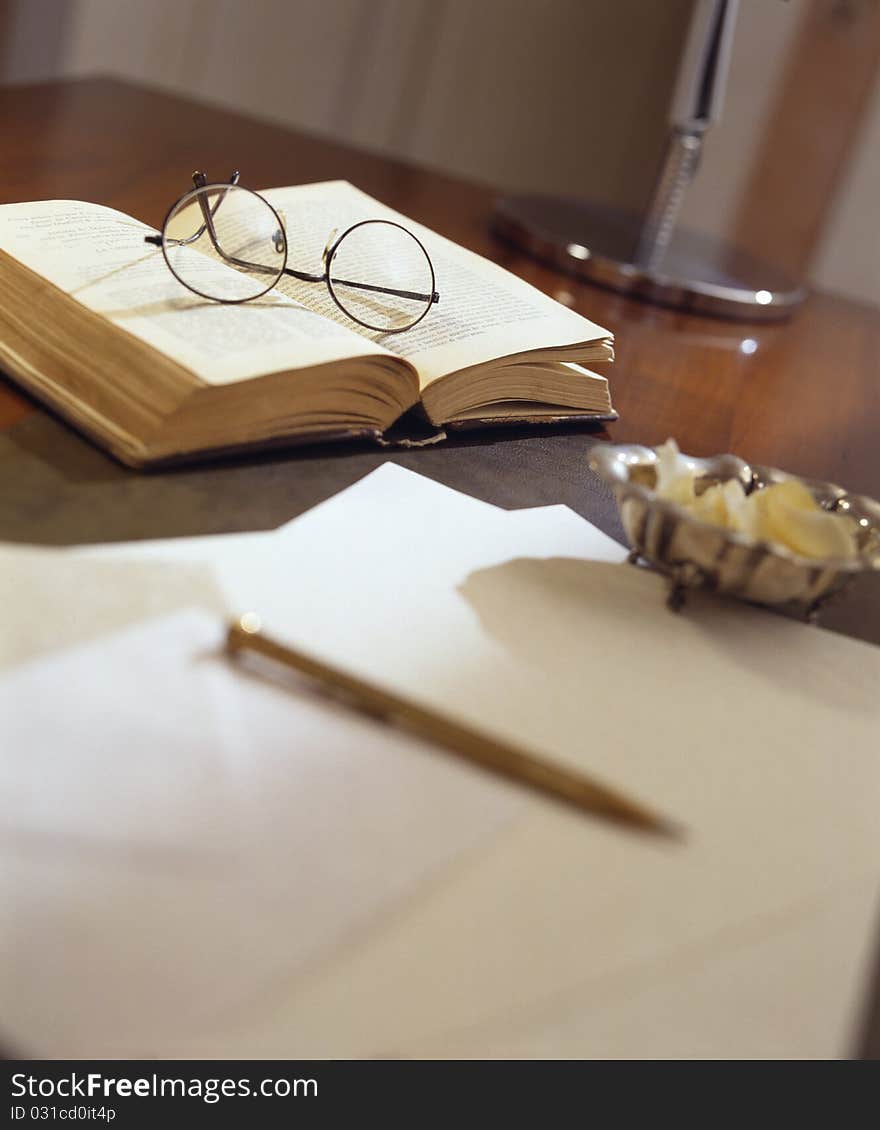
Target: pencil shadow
572, 619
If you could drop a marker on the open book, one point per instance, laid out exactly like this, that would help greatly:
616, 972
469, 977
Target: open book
157, 374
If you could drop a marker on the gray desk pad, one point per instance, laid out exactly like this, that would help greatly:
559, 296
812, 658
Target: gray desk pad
58, 489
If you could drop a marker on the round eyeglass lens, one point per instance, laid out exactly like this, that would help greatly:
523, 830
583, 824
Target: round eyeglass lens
225, 243
381, 276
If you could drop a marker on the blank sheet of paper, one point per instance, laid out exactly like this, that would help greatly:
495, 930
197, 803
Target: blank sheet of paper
562, 935
182, 835
759, 734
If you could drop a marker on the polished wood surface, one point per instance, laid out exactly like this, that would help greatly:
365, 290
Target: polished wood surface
804, 395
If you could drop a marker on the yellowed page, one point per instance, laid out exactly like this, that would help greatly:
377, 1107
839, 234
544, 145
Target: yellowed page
516, 390
98, 256
484, 312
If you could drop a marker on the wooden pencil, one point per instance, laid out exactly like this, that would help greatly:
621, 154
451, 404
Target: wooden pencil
504, 758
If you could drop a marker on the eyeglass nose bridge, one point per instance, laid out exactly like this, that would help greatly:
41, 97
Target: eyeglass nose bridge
329, 248
279, 236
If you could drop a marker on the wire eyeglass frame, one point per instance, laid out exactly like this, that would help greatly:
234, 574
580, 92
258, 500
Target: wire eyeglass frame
201, 187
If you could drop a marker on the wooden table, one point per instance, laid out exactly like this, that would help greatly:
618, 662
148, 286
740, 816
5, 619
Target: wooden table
804, 395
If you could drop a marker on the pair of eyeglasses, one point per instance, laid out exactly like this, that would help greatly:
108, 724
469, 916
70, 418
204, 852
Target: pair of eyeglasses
378, 273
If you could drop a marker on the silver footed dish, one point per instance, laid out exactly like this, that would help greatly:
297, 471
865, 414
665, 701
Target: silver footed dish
695, 553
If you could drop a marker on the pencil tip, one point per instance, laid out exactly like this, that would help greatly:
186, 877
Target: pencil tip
667, 828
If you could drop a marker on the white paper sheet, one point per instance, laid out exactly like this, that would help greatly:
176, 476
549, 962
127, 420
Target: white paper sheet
760, 735
392, 511
181, 834
182, 839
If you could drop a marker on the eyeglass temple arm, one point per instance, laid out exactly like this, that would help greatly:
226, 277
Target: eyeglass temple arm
417, 296
199, 181
304, 276
328, 255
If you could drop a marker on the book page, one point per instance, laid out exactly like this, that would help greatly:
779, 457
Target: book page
98, 256
484, 312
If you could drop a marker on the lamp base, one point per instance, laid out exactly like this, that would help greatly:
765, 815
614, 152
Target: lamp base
599, 245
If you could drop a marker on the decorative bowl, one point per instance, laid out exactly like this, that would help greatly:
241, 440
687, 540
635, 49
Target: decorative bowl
695, 553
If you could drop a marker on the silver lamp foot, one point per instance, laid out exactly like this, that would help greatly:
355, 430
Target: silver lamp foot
649, 256
604, 245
